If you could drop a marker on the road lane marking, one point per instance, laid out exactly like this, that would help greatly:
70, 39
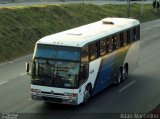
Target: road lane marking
29, 99
1, 83
3, 63
152, 27
6, 63
131, 83
14, 77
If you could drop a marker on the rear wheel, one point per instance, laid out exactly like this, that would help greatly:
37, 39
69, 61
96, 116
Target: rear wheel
119, 77
125, 73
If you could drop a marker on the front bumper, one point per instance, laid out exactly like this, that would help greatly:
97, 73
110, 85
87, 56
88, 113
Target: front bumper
60, 99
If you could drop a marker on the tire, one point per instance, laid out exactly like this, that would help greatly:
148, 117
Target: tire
87, 94
125, 73
119, 77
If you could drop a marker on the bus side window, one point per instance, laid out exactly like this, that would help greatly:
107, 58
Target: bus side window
138, 32
85, 54
102, 47
131, 35
84, 73
117, 40
84, 68
134, 34
107, 45
114, 43
94, 50
128, 36
121, 39
110, 43
97, 49
125, 37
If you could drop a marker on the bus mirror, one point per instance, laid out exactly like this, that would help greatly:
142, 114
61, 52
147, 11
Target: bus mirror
27, 67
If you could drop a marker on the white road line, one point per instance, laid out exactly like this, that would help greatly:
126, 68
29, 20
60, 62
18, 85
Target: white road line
122, 89
3, 63
22, 74
152, 27
6, 63
1, 83
29, 99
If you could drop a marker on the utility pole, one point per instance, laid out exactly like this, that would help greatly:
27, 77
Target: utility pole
83, 2
155, 10
128, 8
142, 8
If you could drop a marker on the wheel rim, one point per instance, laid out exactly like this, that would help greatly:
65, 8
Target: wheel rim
86, 95
124, 74
119, 77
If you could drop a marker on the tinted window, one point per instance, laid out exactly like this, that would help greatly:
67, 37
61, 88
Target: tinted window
102, 47
114, 43
110, 44
94, 50
121, 39
85, 54
138, 32
54, 52
117, 40
128, 36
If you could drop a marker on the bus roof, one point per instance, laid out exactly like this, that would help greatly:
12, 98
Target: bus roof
80, 36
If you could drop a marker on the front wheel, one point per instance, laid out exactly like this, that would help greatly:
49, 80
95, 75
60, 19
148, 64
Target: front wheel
87, 94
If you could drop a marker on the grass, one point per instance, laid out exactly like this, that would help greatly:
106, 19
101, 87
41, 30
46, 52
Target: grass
21, 27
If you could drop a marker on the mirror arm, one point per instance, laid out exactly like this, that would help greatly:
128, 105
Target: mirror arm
27, 69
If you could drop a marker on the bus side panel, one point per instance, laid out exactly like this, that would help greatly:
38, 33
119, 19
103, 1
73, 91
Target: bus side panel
93, 71
109, 67
104, 72
121, 54
132, 57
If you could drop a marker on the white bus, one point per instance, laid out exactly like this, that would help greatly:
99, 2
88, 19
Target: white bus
71, 66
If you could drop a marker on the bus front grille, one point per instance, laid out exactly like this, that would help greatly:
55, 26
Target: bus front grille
50, 99
43, 92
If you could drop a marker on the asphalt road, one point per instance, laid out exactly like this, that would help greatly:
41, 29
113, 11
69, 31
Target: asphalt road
139, 94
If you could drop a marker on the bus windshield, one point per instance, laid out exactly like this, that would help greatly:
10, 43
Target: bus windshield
56, 66
57, 52
55, 73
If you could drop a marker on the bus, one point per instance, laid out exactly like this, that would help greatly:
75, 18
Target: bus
71, 66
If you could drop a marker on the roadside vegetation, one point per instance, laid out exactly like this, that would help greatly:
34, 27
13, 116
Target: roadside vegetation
21, 1
21, 27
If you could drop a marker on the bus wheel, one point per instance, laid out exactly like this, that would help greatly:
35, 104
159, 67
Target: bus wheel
125, 73
87, 94
119, 77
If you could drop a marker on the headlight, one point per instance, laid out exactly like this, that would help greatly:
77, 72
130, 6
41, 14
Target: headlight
70, 94
35, 91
